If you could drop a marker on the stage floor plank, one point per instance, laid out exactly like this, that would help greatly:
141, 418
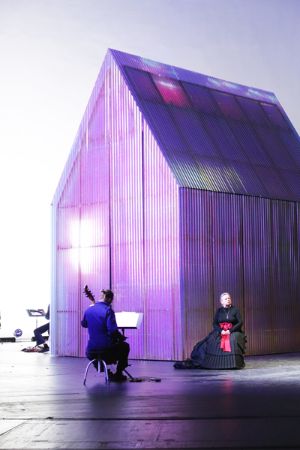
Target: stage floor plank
44, 405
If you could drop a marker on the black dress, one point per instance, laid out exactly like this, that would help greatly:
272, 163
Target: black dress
208, 353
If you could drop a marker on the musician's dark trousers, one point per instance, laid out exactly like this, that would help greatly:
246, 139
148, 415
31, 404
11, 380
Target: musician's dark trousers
38, 333
118, 353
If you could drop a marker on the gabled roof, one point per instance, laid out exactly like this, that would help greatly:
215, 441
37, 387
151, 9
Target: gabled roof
216, 135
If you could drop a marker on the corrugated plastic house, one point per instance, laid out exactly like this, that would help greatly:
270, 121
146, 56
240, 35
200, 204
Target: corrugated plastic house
179, 186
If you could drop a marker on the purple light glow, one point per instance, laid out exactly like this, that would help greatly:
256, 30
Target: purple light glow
171, 91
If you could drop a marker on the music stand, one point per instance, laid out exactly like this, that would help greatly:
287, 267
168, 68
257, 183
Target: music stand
36, 313
131, 321
128, 320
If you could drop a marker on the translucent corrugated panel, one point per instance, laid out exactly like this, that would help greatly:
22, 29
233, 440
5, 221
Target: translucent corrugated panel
245, 179
81, 226
271, 271
165, 128
162, 258
201, 98
272, 144
291, 142
212, 175
254, 111
275, 116
248, 246
236, 123
227, 142
292, 180
182, 164
273, 183
247, 138
193, 132
143, 85
196, 268
177, 73
144, 230
224, 139
171, 91
228, 105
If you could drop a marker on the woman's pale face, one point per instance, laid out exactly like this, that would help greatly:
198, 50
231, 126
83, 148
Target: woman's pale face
226, 301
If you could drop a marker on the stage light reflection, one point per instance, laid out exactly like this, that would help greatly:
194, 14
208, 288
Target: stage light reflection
81, 233
171, 91
81, 260
81, 237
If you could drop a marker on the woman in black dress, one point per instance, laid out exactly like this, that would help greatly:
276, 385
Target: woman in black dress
224, 347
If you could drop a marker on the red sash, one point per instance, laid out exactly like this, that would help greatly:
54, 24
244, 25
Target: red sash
225, 338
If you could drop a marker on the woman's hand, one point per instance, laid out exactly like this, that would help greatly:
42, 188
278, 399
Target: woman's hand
225, 332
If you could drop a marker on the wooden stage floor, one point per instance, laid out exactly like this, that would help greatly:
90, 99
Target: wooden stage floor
44, 405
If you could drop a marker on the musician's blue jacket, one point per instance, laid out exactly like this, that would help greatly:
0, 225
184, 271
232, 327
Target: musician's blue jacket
100, 320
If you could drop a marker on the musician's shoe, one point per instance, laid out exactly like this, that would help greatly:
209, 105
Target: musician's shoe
44, 349
31, 349
118, 377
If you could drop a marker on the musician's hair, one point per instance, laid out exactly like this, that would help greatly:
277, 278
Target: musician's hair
108, 294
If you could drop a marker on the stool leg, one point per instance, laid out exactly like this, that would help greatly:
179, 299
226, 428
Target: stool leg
105, 371
87, 369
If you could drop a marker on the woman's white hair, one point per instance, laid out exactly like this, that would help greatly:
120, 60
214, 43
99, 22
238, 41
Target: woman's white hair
224, 293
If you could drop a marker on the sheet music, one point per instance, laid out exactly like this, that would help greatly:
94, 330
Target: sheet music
36, 312
126, 319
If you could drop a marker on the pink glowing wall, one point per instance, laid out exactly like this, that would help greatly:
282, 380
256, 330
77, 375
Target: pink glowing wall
81, 235
116, 225
144, 229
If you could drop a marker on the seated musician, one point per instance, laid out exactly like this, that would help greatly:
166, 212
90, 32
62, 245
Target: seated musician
41, 344
105, 340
